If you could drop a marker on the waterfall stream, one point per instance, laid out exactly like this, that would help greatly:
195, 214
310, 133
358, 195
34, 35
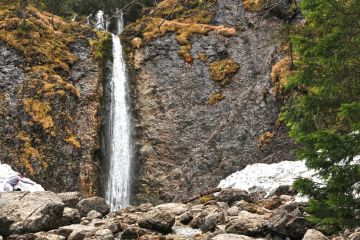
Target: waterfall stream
119, 155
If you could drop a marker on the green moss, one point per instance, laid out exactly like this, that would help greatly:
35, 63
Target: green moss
207, 198
102, 47
223, 70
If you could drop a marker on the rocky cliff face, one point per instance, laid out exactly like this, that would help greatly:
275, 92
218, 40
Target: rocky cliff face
50, 89
205, 113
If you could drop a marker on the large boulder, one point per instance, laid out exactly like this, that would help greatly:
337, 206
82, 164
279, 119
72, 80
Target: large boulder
231, 237
230, 195
70, 199
174, 208
24, 212
289, 220
94, 203
158, 220
70, 216
313, 234
247, 223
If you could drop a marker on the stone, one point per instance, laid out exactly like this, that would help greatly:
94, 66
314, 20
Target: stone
186, 218
152, 237
133, 232
250, 207
75, 231
231, 237
355, 236
158, 220
233, 211
24, 212
70, 199
289, 220
210, 222
70, 216
48, 236
93, 214
94, 203
313, 234
104, 234
230, 196
246, 223
282, 190
269, 203
174, 208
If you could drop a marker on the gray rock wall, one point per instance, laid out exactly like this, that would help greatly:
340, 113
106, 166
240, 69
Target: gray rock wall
186, 145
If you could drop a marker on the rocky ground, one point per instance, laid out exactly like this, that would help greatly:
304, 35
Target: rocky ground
233, 214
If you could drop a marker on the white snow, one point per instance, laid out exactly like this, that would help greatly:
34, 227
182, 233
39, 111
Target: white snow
6, 172
268, 177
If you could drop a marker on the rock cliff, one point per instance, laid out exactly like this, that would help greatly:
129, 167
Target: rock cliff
50, 89
205, 96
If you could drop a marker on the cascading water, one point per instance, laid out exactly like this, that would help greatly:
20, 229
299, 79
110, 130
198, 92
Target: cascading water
120, 154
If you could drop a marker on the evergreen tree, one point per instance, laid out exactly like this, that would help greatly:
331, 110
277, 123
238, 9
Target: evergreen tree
323, 113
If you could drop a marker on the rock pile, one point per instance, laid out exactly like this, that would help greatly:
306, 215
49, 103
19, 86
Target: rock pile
233, 215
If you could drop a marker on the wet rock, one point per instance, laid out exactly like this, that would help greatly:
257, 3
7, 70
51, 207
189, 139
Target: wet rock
24, 212
158, 220
70, 216
70, 199
247, 223
94, 203
289, 220
313, 234
230, 196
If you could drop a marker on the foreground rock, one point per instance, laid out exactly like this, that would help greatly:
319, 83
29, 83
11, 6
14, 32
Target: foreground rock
23, 212
38, 216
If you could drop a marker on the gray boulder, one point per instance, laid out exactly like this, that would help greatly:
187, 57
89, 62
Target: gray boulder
313, 234
247, 223
94, 203
24, 212
158, 220
93, 214
104, 234
70, 199
70, 216
229, 195
289, 220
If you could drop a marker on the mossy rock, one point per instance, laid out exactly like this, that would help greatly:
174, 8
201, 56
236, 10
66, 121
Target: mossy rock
223, 70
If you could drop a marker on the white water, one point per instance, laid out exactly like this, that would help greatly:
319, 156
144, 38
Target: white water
118, 181
6, 172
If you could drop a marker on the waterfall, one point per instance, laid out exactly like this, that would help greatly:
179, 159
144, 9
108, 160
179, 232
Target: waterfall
119, 159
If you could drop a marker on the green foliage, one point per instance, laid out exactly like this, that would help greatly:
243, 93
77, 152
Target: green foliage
323, 113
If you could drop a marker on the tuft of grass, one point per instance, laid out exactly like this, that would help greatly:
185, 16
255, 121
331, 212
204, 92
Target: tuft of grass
223, 70
279, 75
253, 5
39, 111
265, 138
185, 19
215, 98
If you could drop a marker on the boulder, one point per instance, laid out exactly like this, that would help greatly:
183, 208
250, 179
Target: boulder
158, 220
104, 234
231, 237
233, 211
75, 231
24, 212
152, 237
93, 214
94, 203
174, 208
289, 220
355, 236
186, 218
282, 190
70, 216
270, 203
230, 195
313, 234
210, 222
247, 223
48, 236
70, 199
133, 232
250, 207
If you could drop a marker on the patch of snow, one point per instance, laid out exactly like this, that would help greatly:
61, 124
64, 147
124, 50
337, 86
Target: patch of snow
268, 177
6, 172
